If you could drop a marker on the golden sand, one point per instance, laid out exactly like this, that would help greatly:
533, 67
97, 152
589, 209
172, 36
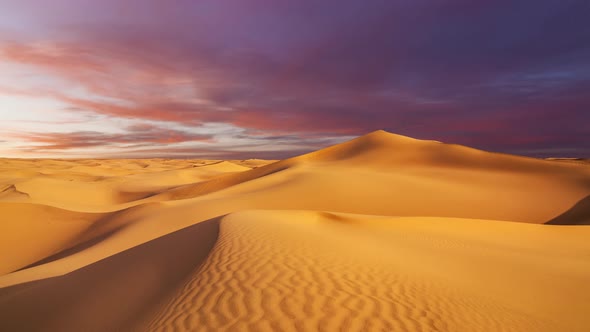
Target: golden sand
381, 233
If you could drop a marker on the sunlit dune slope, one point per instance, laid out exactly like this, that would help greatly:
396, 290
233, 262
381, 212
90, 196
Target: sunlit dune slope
287, 271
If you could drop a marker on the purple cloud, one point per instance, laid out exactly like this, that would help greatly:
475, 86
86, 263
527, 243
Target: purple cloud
504, 75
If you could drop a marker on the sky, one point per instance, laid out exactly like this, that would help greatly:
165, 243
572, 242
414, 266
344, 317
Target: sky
237, 79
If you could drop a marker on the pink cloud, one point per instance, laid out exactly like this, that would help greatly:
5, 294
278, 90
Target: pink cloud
137, 135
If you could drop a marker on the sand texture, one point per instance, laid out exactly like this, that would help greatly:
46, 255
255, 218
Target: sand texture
381, 233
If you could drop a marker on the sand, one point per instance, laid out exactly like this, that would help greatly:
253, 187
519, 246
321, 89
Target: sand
381, 233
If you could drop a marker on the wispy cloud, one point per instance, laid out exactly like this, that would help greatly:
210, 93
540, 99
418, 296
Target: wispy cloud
137, 135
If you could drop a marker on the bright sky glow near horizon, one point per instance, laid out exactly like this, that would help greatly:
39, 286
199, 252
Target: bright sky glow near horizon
274, 78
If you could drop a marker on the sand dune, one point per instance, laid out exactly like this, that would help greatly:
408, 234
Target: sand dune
113, 294
288, 271
383, 232
413, 177
31, 232
582, 161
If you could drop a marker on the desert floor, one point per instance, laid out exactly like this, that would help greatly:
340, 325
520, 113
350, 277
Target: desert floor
381, 233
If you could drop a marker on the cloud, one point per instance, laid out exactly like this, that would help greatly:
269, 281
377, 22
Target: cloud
137, 135
499, 75
211, 153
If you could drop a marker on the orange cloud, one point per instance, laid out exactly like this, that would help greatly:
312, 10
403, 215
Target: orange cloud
136, 136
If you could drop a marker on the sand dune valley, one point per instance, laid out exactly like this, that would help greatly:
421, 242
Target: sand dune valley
381, 233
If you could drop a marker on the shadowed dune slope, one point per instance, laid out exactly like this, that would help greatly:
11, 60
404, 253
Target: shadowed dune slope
112, 294
30, 232
579, 214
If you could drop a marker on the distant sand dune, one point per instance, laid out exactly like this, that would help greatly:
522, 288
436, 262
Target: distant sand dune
580, 161
10, 192
413, 174
381, 233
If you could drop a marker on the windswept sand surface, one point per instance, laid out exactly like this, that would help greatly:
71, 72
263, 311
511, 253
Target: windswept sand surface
382, 233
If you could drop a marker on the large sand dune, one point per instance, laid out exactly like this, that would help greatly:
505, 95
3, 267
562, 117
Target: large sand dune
381, 233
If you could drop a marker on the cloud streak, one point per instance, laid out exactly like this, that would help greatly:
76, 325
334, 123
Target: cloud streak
137, 135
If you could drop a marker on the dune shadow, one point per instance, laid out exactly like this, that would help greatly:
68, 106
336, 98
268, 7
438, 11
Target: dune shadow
106, 226
579, 214
222, 182
73, 250
137, 281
